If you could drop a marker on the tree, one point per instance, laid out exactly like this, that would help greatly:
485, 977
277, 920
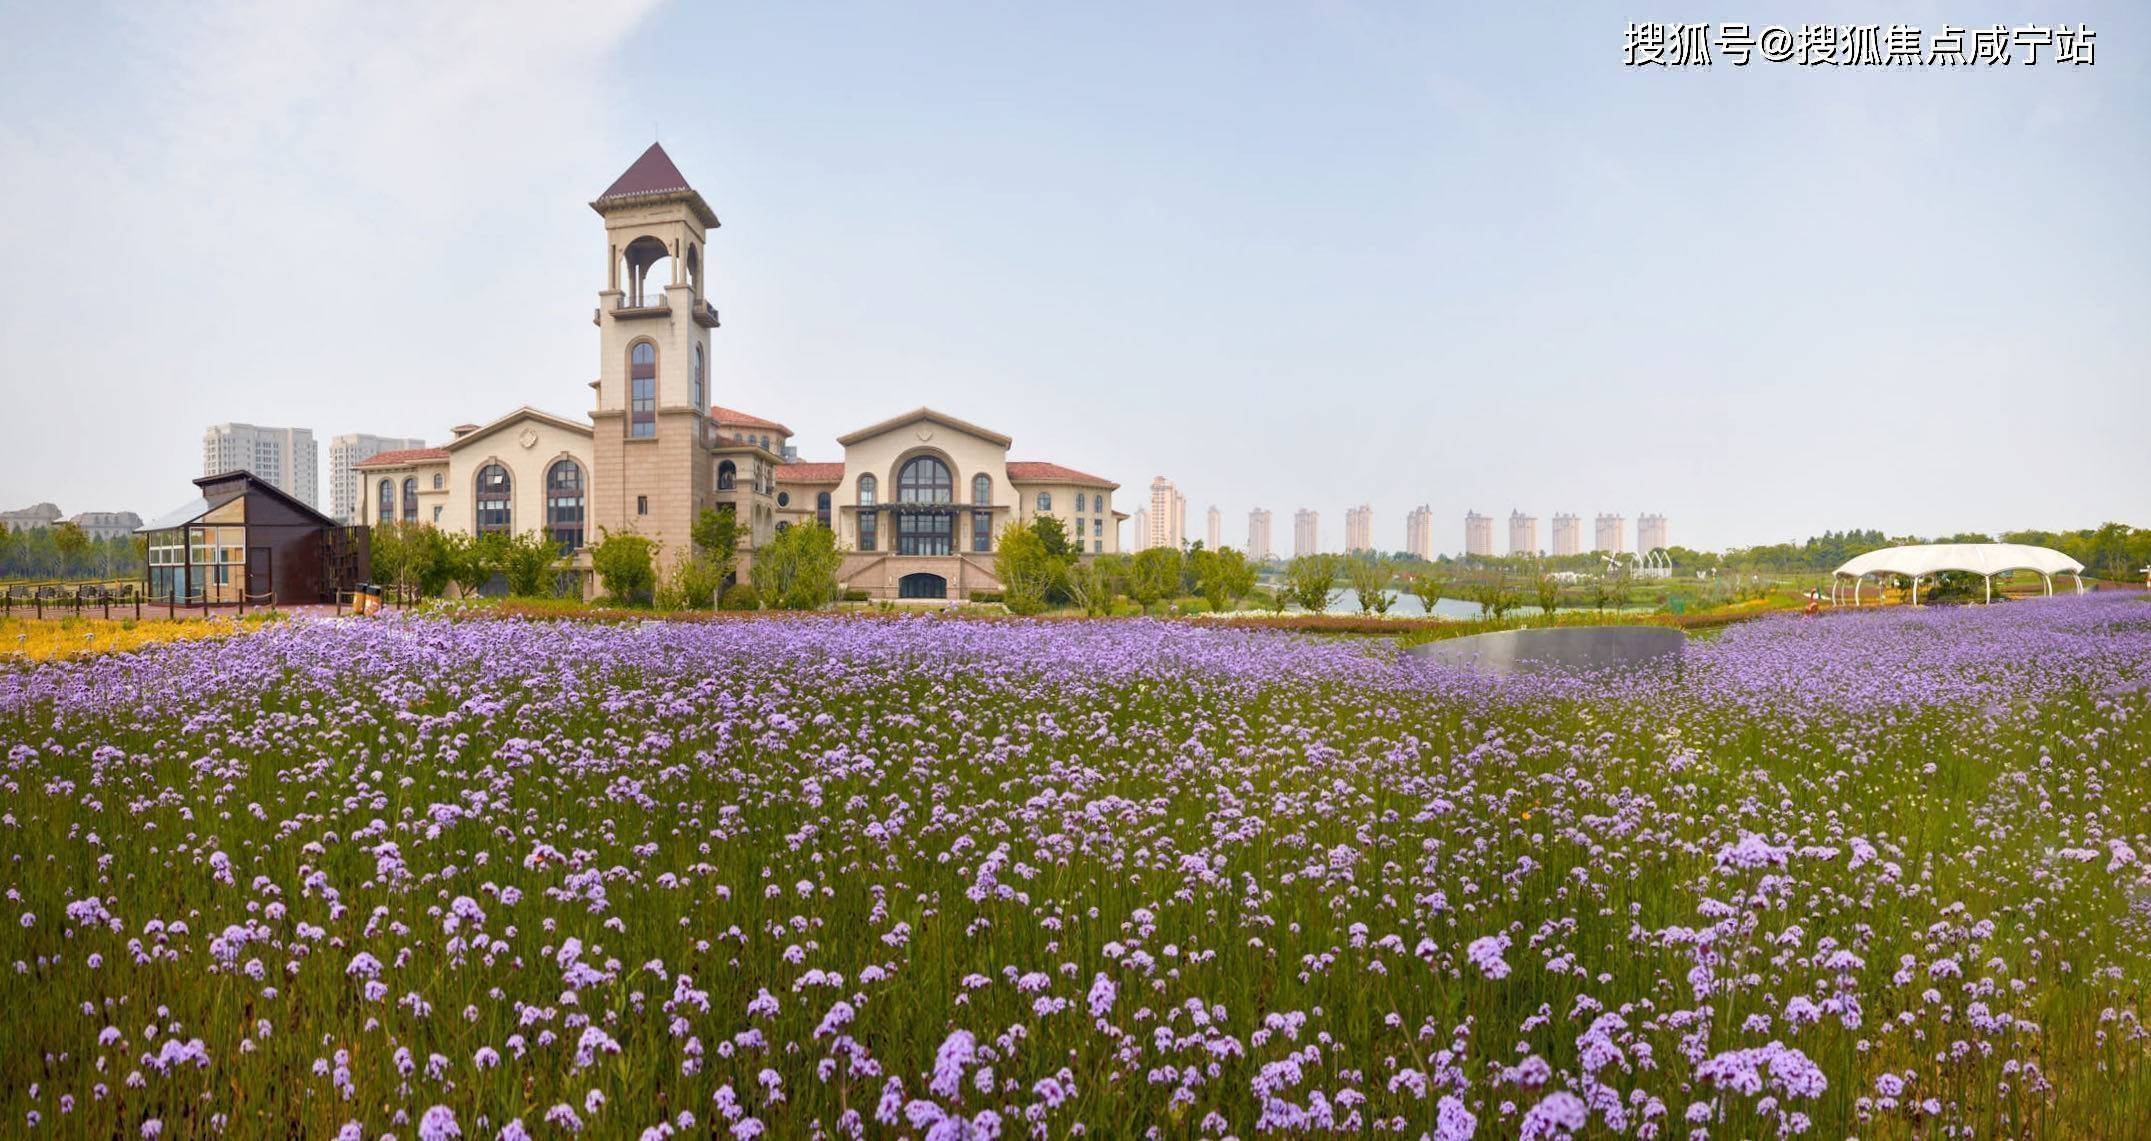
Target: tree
797, 570
1155, 576
1427, 587
1027, 568
527, 561
626, 564
1224, 576
430, 562
1369, 577
466, 559
1090, 586
691, 582
1495, 594
1275, 600
1546, 593
72, 542
1311, 580
1054, 534
716, 537
389, 548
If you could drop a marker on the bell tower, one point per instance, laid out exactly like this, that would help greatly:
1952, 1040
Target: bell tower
650, 441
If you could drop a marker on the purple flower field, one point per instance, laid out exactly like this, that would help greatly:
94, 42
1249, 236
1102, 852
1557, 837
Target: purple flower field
1881, 874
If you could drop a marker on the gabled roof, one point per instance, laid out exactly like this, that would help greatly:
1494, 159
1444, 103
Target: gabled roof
810, 473
1038, 471
733, 417
403, 457
222, 488
653, 178
526, 412
923, 413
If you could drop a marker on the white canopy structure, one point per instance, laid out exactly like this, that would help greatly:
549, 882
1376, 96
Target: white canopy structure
1983, 559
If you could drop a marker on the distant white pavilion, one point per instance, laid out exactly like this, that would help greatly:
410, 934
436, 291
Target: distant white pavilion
1983, 559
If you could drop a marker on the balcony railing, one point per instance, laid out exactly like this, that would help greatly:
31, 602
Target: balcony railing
644, 302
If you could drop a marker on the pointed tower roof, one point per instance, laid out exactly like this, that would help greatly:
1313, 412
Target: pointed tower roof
653, 179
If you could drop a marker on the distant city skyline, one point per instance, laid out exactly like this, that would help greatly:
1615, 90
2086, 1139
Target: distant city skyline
372, 218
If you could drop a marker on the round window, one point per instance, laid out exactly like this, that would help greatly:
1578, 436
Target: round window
784, 499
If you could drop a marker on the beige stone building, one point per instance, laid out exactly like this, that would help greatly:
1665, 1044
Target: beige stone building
1650, 533
1566, 530
528, 470
919, 501
1523, 533
345, 452
1478, 534
1359, 529
1419, 532
1258, 534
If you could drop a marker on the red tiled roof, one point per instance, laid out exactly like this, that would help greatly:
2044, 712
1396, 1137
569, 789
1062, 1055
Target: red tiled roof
810, 473
733, 417
402, 458
653, 173
1038, 471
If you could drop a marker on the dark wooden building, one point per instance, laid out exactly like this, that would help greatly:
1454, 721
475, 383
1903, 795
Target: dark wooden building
244, 539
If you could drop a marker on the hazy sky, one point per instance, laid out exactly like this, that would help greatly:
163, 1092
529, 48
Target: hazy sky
1287, 255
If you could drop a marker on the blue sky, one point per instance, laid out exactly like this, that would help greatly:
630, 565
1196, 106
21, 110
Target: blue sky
1287, 255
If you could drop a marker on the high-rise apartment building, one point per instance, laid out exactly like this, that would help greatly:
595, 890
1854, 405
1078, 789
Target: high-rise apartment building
349, 449
1650, 533
1168, 515
1306, 532
1258, 534
1523, 533
285, 457
1419, 532
1478, 534
1610, 534
1359, 529
1214, 536
1565, 532
1141, 529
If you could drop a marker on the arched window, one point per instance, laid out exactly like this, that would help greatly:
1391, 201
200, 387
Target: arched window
386, 511
924, 479
821, 508
410, 499
439, 481
869, 521
1097, 503
495, 512
564, 504
982, 488
727, 475
642, 390
695, 381
1045, 501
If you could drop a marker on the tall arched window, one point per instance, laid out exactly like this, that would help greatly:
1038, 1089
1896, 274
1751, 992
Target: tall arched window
869, 520
695, 381
924, 479
564, 504
410, 499
495, 512
981, 488
727, 475
1097, 503
439, 481
821, 508
385, 511
1045, 501
642, 390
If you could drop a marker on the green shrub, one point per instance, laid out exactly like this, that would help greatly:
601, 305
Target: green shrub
740, 596
986, 596
855, 596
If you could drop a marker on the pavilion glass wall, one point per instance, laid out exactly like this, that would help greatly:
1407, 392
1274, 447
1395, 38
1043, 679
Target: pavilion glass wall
198, 563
